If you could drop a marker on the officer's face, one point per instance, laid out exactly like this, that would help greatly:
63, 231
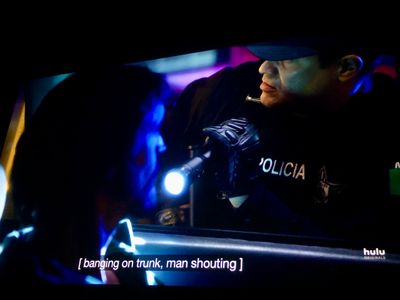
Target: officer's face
301, 79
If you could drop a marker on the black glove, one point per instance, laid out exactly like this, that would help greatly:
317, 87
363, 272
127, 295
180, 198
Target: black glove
233, 144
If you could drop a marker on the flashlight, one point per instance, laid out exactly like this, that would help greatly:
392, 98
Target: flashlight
178, 180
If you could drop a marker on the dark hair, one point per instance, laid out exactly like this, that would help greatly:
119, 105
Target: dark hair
78, 142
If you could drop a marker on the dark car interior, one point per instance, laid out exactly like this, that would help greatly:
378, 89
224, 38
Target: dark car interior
189, 251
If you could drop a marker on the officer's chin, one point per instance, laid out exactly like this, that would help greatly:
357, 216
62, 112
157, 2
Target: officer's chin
271, 100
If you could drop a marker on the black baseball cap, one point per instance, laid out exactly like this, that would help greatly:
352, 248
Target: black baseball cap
296, 47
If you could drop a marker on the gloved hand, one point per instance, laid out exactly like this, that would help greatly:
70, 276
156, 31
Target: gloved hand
233, 142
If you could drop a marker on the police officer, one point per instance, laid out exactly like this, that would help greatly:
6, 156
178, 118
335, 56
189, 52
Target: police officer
312, 159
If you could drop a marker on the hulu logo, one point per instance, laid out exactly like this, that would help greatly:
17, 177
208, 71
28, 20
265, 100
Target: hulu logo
374, 254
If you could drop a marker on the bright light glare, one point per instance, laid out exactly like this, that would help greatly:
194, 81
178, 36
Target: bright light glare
92, 280
3, 190
151, 278
174, 182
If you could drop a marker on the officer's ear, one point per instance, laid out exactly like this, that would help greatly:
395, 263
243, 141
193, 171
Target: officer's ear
349, 66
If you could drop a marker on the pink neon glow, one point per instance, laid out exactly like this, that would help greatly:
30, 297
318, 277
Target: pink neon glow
238, 55
178, 81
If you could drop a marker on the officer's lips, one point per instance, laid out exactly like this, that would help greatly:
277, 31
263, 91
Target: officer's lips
265, 87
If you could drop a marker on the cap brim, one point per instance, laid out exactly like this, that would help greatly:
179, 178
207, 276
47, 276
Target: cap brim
280, 52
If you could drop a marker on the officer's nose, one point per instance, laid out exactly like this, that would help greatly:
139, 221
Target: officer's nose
269, 68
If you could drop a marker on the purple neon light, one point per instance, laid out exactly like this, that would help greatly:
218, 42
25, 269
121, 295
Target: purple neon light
178, 81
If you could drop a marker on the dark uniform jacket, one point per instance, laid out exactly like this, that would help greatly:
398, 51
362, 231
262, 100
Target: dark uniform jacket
333, 175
